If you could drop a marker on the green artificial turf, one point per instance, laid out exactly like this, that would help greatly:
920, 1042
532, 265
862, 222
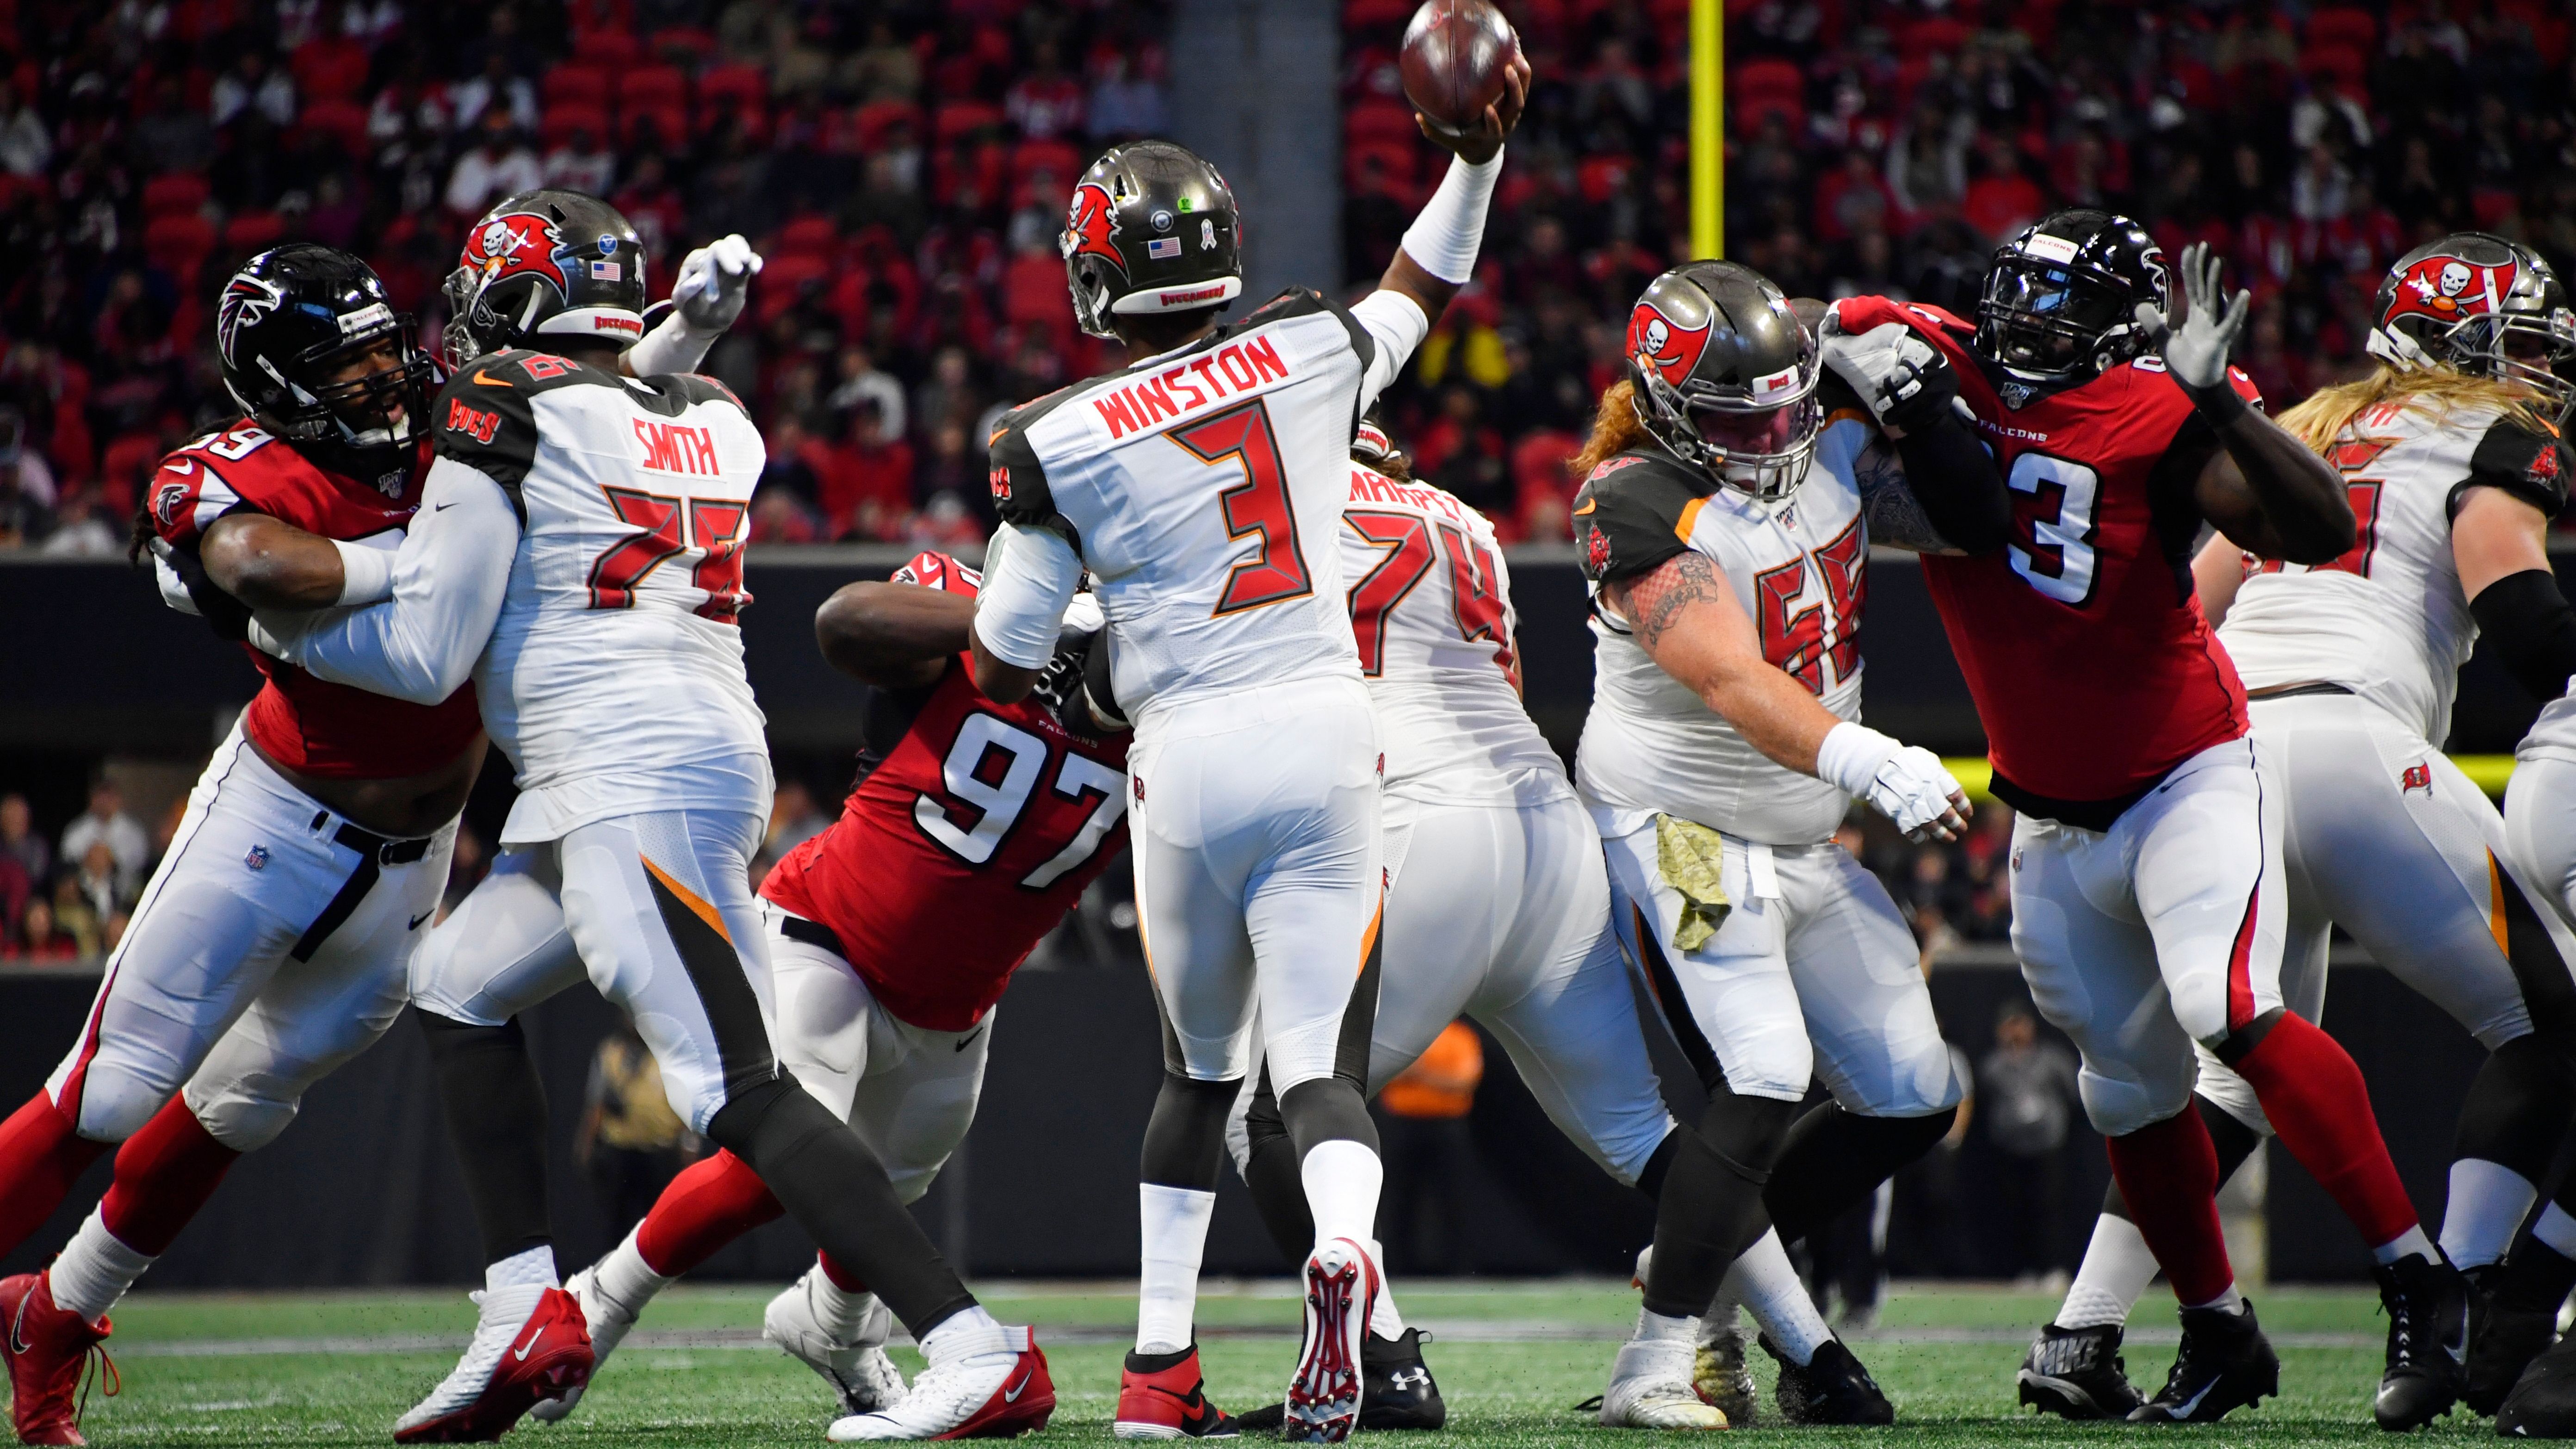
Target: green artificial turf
336, 1368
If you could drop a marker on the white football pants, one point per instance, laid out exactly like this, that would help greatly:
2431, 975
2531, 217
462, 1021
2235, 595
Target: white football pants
2540, 836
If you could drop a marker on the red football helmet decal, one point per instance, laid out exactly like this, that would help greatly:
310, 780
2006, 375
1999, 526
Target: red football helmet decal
2446, 289
2544, 466
513, 243
1657, 341
1596, 551
1090, 224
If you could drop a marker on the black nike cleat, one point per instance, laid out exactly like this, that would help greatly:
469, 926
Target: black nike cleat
2507, 1330
1397, 1393
2543, 1402
1830, 1388
2078, 1373
2224, 1363
2428, 1339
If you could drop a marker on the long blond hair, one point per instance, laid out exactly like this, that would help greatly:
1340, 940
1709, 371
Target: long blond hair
1615, 429
2431, 392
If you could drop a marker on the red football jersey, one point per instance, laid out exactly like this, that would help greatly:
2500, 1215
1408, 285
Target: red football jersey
2093, 668
967, 839
307, 724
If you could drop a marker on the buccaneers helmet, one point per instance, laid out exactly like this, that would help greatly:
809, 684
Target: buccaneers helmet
1725, 376
1152, 228
2059, 302
2481, 304
545, 263
289, 320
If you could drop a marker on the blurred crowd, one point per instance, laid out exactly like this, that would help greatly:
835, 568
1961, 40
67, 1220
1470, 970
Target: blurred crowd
66, 897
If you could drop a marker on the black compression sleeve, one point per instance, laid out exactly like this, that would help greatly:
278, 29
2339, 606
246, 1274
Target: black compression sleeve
2532, 629
1955, 479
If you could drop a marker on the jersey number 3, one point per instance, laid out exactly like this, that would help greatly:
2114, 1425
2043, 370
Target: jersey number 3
991, 772
1275, 570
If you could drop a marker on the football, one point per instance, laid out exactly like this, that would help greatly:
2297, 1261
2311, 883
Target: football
1454, 54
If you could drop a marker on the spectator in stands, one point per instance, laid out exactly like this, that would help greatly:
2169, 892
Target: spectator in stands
38, 939
2027, 1087
862, 382
498, 164
580, 163
250, 85
26, 142
1431, 1159
20, 842
1125, 103
105, 822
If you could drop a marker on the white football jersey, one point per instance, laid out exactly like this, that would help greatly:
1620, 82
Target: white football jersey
2388, 620
614, 679
1431, 606
1203, 490
1798, 568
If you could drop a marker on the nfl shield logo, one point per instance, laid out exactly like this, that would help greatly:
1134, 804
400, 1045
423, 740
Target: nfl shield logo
257, 859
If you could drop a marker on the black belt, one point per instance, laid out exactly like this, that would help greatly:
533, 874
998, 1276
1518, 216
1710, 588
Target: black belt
375, 852
2294, 691
797, 928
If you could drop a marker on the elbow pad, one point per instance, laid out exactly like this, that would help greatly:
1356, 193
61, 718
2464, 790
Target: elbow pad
2531, 628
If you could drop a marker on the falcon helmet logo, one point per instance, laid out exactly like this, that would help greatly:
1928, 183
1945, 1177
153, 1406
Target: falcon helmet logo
518, 242
1091, 225
247, 302
1658, 342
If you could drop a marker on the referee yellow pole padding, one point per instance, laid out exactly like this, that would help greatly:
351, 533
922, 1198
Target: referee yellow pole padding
2487, 772
1708, 127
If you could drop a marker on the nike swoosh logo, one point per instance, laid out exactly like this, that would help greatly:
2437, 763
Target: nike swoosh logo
2191, 1405
423, 916
18, 1324
488, 380
1588, 505
442, 508
183, 467
1012, 1395
522, 1354
969, 1039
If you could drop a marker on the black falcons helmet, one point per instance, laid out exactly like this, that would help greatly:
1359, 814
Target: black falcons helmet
1152, 228
2482, 304
291, 317
1725, 376
2059, 303
545, 264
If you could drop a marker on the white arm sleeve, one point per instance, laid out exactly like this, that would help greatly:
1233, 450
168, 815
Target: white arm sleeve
1029, 579
1446, 236
670, 347
1395, 323
448, 579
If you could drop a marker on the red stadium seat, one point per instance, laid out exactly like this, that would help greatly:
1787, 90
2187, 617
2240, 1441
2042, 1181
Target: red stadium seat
253, 231
1768, 78
177, 242
806, 236
332, 68
735, 85
1942, 33
174, 191
1397, 163
615, 49
2343, 25
1061, 157
2344, 65
782, 279
653, 85
574, 83
1378, 120
1750, 111
1361, 14
668, 126
681, 44
877, 118
961, 118
564, 118
343, 121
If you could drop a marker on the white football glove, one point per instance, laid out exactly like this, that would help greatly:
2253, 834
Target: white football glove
2197, 333
174, 590
1902, 379
1905, 783
714, 283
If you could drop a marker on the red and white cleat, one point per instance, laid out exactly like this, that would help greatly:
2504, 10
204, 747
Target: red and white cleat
1341, 1292
1162, 1396
530, 1346
992, 1386
48, 1346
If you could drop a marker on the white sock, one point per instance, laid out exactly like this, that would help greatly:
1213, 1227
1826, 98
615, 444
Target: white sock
94, 1270
1653, 1327
2410, 1243
2556, 1229
1342, 1178
2488, 1202
1175, 1223
626, 1277
1763, 1281
1384, 1320
2230, 1301
971, 1334
840, 1311
534, 1266
2118, 1265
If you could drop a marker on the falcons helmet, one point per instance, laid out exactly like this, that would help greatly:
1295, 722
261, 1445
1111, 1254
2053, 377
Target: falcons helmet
545, 264
2059, 302
1725, 376
292, 329
2483, 305
1152, 228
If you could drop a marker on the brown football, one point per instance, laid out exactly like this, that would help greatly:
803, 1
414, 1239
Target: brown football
1454, 54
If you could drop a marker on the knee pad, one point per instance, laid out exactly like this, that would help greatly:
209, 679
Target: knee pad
769, 1120
1746, 1133
115, 1102
2119, 1106
1327, 1109
242, 1117
1185, 1138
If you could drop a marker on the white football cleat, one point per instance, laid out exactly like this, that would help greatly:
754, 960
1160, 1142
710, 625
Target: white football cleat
608, 1321
1650, 1388
991, 1386
1323, 1404
858, 1370
529, 1346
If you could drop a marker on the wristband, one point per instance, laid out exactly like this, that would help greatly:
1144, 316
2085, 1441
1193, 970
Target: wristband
1851, 755
1444, 239
366, 574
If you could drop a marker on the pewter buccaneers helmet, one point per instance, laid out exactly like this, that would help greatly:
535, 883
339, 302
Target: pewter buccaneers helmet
2482, 304
545, 264
296, 313
1726, 377
1152, 228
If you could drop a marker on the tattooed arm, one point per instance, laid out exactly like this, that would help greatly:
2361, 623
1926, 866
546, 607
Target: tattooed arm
1685, 615
1896, 516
